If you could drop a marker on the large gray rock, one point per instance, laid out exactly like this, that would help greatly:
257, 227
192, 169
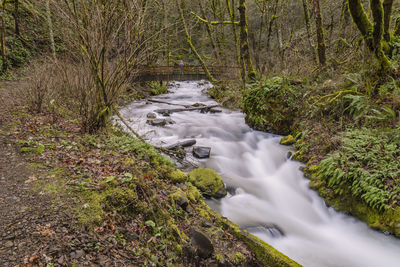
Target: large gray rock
202, 244
201, 152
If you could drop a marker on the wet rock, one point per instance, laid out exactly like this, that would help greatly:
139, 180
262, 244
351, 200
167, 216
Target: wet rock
170, 121
203, 246
151, 115
213, 110
157, 122
164, 112
208, 182
201, 152
186, 143
179, 199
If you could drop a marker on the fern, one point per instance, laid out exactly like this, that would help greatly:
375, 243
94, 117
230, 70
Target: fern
366, 166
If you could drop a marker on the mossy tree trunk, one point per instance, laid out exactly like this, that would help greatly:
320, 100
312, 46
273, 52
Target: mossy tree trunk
209, 31
387, 10
308, 27
230, 4
320, 34
189, 41
373, 32
247, 65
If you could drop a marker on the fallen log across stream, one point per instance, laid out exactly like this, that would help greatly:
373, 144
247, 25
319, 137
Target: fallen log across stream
170, 111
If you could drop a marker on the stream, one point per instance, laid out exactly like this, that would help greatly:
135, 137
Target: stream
268, 194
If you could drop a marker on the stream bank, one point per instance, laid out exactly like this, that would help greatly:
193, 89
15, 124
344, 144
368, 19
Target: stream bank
268, 194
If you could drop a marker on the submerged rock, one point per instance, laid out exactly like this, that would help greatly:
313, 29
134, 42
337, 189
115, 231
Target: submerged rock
208, 182
201, 152
151, 115
157, 122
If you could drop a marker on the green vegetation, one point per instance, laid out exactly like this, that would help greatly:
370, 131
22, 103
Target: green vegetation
208, 182
272, 105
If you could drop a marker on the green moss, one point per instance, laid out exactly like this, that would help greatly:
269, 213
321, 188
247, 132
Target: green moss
287, 140
193, 194
177, 176
207, 181
219, 258
239, 258
266, 255
203, 213
122, 200
272, 105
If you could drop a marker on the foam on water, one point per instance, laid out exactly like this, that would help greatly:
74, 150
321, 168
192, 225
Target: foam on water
269, 189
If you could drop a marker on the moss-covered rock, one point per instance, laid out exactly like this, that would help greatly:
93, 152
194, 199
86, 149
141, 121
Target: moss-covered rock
179, 199
287, 140
177, 176
208, 182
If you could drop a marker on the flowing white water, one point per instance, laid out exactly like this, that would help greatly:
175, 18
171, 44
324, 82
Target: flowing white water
268, 188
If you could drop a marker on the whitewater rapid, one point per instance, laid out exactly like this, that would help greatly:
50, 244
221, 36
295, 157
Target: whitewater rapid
267, 190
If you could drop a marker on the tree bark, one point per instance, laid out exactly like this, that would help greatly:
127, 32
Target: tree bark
244, 43
230, 4
309, 28
360, 18
209, 31
387, 10
320, 34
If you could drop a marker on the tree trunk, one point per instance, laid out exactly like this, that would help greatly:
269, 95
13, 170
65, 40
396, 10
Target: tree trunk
372, 33
209, 31
189, 41
230, 4
244, 43
50, 25
309, 28
3, 38
387, 10
360, 18
378, 15
320, 34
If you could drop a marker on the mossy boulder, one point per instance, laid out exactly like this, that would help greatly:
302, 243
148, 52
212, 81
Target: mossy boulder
208, 182
288, 140
177, 176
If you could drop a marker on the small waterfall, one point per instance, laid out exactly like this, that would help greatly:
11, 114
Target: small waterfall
268, 194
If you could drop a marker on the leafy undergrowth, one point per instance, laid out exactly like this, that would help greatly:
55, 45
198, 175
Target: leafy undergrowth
228, 93
272, 105
347, 131
120, 197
